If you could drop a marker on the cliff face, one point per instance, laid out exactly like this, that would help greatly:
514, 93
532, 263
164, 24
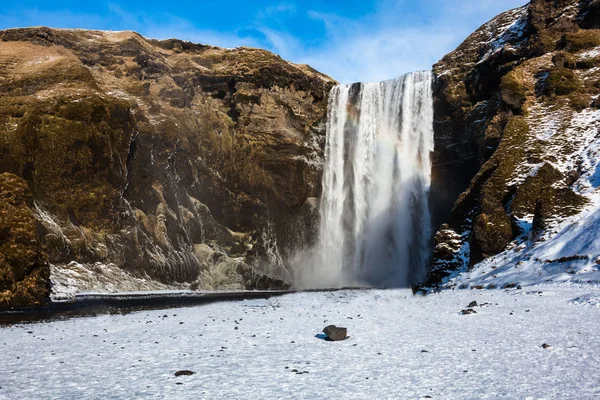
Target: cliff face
516, 132
155, 164
24, 271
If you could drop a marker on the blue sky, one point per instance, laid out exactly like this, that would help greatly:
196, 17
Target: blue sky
350, 40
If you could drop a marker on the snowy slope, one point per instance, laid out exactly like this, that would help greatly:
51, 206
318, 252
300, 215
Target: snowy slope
569, 249
400, 347
570, 254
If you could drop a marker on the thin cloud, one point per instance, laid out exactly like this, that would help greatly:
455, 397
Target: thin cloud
386, 45
283, 8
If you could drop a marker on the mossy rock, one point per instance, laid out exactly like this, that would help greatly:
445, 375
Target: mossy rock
580, 40
497, 140
543, 42
136, 150
564, 60
513, 90
580, 101
492, 228
491, 234
545, 195
534, 188
562, 81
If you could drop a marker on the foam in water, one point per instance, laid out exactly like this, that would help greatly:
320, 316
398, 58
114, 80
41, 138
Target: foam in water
375, 223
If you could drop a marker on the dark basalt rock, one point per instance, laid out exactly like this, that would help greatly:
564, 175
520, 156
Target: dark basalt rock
184, 372
254, 280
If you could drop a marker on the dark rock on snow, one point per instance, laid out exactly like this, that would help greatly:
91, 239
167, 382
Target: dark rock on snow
184, 372
335, 334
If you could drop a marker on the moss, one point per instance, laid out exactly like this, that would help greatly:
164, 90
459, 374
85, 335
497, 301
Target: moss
457, 93
73, 155
580, 101
533, 188
562, 81
492, 233
64, 73
581, 40
512, 90
543, 43
77, 175
564, 60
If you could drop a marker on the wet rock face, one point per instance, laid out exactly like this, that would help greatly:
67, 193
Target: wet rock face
137, 151
24, 272
493, 95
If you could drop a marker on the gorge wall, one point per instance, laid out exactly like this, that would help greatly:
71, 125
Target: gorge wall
135, 164
516, 131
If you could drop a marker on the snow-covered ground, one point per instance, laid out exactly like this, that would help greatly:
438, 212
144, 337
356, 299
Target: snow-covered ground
400, 347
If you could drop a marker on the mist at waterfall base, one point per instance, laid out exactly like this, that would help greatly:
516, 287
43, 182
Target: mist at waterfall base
375, 226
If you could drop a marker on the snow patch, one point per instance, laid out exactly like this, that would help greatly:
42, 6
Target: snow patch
511, 30
569, 252
590, 54
592, 300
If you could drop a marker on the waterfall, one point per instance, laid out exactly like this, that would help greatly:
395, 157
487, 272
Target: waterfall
375, 223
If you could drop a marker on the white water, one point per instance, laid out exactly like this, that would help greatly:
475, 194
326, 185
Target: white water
375, 222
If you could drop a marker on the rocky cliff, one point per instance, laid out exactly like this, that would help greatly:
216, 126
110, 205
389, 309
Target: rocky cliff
134, 164
517, 138
137, 164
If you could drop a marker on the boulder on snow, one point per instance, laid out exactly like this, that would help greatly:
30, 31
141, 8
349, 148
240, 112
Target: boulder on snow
472, 304
184, 372
419, 289
468, 311
336, 334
